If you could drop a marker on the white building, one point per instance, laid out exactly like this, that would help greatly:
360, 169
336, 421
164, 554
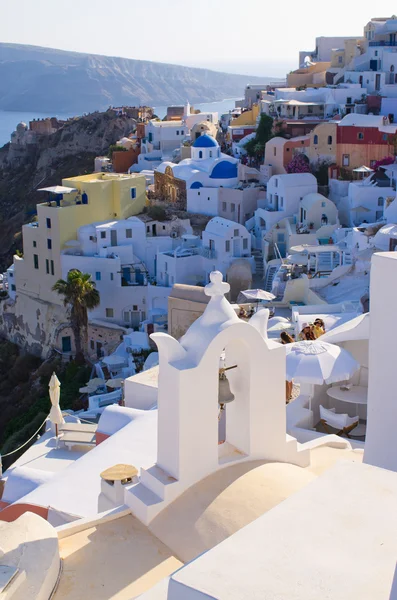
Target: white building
284, 193
223, 242
121, 258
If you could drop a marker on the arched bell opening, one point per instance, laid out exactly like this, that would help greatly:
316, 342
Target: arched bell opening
233, 401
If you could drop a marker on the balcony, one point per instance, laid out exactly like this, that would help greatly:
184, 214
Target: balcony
383, 43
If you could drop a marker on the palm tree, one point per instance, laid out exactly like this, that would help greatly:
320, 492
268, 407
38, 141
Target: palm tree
80, 295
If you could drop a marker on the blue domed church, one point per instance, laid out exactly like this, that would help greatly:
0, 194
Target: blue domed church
207, 168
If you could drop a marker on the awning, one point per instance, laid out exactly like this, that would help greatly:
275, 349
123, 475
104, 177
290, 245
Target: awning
58, 189
363, 169
359, 209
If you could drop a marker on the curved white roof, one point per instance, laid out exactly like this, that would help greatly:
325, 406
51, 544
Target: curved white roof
352, 330
382, 237
296, 179
162, 167
218, 225
310, 199
357, 120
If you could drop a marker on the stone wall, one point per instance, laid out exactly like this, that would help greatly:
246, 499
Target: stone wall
38, 328
170, 189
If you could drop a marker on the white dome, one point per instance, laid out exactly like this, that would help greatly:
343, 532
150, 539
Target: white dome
21, 127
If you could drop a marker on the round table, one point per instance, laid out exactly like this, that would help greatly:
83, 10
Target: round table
357, 394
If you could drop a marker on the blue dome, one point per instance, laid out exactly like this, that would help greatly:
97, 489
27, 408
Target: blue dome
205, 141
224, 170
196, 185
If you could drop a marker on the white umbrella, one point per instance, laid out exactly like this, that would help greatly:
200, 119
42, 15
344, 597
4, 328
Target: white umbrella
114, 360
319, 362
258, 295
115, 383
96, 382
55, 412
87, 389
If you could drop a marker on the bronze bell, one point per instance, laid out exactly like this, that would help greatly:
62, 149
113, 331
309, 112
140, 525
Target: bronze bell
225, 394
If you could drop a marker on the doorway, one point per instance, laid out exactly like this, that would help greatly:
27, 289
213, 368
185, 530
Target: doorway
377, 82
236, 247
66, 344
113, 237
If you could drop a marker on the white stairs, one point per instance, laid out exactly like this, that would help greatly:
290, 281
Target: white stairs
258, 258
270, 273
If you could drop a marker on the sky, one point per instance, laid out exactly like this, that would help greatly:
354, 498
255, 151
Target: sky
258, 37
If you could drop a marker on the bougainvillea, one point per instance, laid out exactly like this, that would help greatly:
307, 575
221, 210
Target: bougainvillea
299, 164
388, 160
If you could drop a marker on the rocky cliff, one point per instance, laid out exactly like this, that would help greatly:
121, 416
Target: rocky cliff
67, 153
48, 80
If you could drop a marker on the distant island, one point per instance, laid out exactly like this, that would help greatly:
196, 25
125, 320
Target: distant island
33, 78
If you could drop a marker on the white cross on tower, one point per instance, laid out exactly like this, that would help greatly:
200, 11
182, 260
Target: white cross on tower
217, 287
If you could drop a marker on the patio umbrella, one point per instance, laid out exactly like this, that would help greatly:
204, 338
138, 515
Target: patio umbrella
115, 383
87, 389
319, 362
55, 412
114, 360
96, 382
363, 169
258, 295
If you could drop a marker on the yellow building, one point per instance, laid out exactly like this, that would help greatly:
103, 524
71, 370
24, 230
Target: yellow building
248, 117
314, 74
83, 200
322, 145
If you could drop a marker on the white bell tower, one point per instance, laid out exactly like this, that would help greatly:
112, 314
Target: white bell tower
188, 409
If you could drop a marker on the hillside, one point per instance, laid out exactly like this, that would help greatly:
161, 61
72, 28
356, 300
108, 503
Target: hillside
48, 80
68, 152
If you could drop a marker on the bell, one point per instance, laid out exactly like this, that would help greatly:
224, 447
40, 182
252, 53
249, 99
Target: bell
224, 395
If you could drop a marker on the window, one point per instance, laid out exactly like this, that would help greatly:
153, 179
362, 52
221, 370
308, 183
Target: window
280, 237
391, 68
315, 140
47, 266
380, 201
133, 193
177, 133
135, 307
360, 135
346, 160
98, 276
378, 215
323, 204
384, 137
48, 223
166, 267
163, 227
13, 287
349, 100
281, 202
329, 140
36, 261
236, 233
103, 235
245, 243
340, 59
111, 276
52, 267
310, 110
210, 153
92, 344
227, 245
49, 244
232, 208
274, 151
223, 206
12, 274
109, 313
128, 233
276, 182
376, 53
200, 154
34, 244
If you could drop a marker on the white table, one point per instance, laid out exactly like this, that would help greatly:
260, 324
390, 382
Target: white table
356, 395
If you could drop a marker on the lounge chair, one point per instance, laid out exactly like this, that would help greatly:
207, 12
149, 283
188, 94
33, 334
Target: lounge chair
78, 428
341, 422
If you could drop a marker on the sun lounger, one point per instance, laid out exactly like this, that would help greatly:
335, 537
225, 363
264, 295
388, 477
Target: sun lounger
75, 438
78, 427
